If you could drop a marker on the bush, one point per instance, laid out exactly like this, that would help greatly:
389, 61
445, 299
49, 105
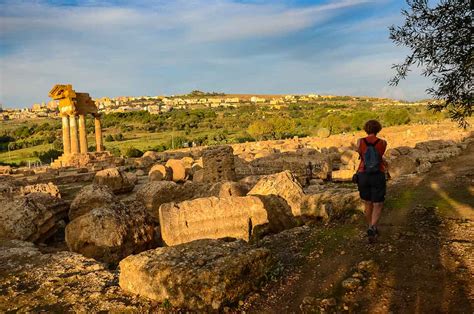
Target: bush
119, 137
133, 152
260, 130
109, 138
48, 156
396, 117
323, 133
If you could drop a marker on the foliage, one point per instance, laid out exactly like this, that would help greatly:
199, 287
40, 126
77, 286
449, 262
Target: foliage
440, 40
260, 130
133, 152
396, 117
109, 138
48, 156
282, 128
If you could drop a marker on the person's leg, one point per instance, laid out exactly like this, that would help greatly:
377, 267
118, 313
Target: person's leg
378, 197
369, 207
376, 213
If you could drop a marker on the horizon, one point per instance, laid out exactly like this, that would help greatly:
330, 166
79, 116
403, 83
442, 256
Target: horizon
237, 47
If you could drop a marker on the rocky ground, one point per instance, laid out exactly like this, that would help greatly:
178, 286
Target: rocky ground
422, 261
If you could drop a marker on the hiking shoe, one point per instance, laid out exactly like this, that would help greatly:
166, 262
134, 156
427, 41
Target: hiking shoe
376, 230
371, 232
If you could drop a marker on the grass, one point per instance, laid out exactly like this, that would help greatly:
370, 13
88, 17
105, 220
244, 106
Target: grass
329, 238
401, 200
25, 154
141, 140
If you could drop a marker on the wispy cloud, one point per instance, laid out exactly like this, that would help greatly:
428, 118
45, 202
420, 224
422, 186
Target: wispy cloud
151, 47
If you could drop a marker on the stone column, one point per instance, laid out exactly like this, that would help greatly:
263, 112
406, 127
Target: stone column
82, 134
66, 136
98, 134
74, 135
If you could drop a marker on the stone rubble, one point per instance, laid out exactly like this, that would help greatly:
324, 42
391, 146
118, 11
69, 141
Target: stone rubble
34, 217
32, 282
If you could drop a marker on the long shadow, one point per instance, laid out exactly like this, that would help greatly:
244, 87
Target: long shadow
424, 282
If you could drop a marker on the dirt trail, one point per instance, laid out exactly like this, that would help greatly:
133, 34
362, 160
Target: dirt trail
423, 261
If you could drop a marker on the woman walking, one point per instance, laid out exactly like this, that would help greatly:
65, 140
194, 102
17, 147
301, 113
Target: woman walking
371, 175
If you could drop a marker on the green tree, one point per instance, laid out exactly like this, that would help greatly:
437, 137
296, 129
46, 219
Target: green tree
260, 130
396, 117
440, 40
282, 127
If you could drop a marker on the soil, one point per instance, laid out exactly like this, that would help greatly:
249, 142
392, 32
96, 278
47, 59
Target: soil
422, 261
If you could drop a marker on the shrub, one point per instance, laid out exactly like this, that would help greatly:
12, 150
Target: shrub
260, 130
323, 133
109, 138
119, 137
133, 152
48, 156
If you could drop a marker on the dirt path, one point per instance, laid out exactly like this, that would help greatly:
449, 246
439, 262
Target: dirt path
423, 261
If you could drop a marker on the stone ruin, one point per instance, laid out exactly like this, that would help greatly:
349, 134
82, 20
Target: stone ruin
218, 164
174, 228
73, 109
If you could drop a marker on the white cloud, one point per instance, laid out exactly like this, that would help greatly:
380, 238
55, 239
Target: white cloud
173, 46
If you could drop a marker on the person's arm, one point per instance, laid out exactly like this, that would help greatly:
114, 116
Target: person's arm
384, 146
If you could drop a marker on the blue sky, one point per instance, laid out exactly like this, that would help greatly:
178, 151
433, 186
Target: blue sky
155, 47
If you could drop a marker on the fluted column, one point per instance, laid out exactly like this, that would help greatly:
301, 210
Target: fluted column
74, 135
66, 136
82, 134
98, 134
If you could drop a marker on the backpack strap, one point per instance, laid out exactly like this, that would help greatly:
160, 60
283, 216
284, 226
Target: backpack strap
371, 144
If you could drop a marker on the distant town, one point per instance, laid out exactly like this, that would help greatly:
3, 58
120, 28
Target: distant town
193, 100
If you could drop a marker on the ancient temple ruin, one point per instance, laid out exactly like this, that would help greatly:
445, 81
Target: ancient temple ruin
74, 107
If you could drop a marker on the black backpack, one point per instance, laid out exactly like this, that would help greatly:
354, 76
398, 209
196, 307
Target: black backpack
371, 157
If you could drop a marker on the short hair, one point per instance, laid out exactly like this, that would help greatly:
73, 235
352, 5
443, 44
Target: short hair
372, 127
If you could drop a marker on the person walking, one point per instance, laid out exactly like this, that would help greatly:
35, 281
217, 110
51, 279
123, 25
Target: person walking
371, 180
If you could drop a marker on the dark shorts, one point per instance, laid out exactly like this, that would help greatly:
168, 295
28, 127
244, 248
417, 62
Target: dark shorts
372, 186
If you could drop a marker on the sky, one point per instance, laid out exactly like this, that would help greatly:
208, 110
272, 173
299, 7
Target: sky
165, 47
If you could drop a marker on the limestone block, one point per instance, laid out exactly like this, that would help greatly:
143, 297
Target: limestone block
284, 185
90, 197
218, 163
34, 217
213, 218
118, 181
5, 170
331, 203
160, 173
187, 161
198, 176
111, 232
434, 145
201, 275
48, 188
227, 189
342, 175
178, 170
151, 154
401, 166
423, 167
